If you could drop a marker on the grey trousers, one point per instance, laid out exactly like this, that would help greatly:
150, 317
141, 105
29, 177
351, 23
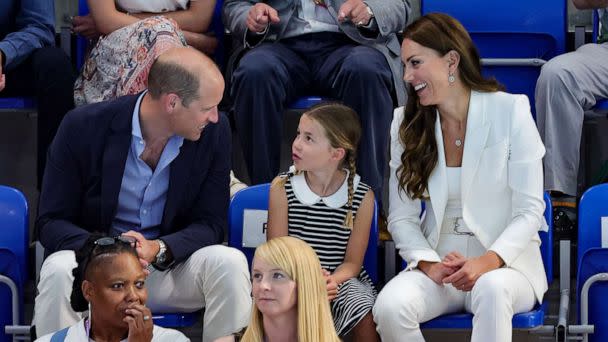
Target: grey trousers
568, 85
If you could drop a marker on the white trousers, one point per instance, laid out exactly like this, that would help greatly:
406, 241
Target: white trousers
412, 298
214, 277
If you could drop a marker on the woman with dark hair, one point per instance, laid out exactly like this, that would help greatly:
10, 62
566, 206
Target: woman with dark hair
109, 283
472, 153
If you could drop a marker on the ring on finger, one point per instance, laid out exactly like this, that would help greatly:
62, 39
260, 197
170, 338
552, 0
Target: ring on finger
145, 318
360, 23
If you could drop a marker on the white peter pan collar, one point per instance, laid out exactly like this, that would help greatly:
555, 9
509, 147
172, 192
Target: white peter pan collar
305, 195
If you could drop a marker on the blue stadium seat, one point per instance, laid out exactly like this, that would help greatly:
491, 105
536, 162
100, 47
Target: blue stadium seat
13, 256
305, 102
253, 203
526, 320
17, 103
593, 260
514, 38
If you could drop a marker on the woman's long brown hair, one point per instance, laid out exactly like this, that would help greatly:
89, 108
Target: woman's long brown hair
443, 34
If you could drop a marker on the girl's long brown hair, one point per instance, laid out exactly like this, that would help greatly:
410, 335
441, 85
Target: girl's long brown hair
443, 34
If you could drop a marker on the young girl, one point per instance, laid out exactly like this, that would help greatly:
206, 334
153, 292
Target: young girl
322, 201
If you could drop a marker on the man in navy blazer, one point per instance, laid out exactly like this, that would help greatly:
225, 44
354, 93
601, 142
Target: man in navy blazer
155, 167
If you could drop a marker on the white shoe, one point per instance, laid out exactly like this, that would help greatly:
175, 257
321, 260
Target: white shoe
235, 185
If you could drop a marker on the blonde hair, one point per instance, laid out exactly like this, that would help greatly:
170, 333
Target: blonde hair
296, 258
343, 130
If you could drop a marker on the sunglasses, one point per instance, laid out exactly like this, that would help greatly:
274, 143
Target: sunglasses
110, 240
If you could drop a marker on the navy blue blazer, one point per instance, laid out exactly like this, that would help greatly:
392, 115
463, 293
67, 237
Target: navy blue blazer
84, 170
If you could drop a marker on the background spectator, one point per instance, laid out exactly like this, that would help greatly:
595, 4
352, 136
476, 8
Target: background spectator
30, 65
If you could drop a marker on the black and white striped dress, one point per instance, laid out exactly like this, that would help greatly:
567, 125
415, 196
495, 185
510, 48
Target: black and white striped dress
319, 221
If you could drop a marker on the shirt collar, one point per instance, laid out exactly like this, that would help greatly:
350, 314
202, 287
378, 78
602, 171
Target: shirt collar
135, 124
308, 197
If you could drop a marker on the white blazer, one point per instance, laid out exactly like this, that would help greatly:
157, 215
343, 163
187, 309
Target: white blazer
502, 188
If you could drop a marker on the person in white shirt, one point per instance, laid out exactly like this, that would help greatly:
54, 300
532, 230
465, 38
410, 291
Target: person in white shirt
109, 282
473, 155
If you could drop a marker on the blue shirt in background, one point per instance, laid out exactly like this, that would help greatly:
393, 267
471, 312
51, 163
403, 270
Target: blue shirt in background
25, 25
143, 192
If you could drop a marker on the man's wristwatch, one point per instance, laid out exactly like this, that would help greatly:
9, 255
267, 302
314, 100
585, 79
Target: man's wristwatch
161, 256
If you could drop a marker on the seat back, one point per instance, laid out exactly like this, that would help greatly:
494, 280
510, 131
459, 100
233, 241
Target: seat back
546, 239
514, 38
17, 103
592, 208
14, 232
13, 253
592, 256
593, 262
248, 215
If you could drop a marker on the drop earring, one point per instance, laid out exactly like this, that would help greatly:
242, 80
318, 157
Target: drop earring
451, 78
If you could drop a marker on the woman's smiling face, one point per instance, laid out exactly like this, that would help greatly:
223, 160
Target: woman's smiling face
426, 71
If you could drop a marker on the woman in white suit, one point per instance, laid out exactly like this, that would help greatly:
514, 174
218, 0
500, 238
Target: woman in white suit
473, 154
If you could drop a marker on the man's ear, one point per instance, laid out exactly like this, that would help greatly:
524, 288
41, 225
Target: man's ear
169, 101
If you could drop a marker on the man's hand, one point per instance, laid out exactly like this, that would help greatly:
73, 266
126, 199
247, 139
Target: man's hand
332, 286
469, 270
146, 249
437, 271
355, 10
260, 16
85, 26
2, 75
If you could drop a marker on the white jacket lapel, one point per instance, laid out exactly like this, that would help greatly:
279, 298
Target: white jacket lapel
474, 142
438, 191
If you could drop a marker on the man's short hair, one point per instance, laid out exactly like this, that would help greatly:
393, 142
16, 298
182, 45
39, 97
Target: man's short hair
168, 77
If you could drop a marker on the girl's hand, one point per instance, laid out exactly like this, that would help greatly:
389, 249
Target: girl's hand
332, 286
139, 319
471, 269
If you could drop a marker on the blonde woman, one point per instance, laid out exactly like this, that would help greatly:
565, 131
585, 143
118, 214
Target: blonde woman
290, 298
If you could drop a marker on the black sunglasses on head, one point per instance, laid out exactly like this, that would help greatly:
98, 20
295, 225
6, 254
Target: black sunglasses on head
110, 240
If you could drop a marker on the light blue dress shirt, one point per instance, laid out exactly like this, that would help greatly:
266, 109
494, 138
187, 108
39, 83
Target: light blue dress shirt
25, 25
143, 192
